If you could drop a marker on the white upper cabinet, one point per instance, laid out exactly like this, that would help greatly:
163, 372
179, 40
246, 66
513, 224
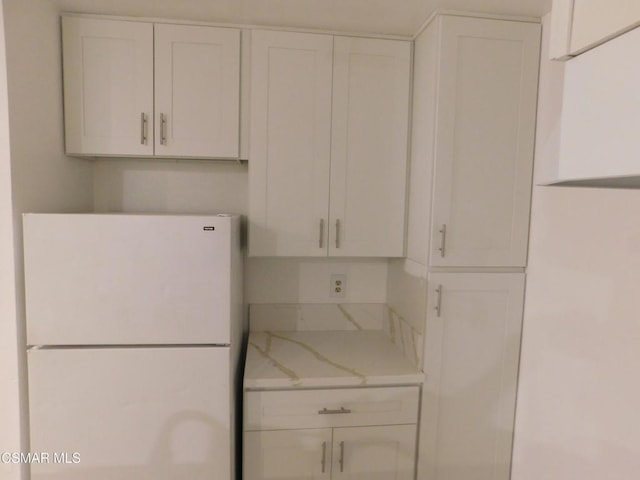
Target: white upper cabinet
599, 142
486, 73
117, 105
328, 145
290, 143
108, 86
578, 25
197, 86
369, 146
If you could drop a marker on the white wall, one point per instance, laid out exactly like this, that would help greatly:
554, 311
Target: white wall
9, 380
578, 395
42, 179
170, 186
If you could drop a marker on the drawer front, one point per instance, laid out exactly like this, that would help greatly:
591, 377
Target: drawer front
284, 409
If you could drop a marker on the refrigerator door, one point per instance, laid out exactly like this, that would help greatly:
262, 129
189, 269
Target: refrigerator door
131, 414
128, 279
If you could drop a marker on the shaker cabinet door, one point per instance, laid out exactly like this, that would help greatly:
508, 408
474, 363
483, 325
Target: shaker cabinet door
370, 116
374, 453
484, 143
472, 353
290, 143
108, 86
288, 454
197, 91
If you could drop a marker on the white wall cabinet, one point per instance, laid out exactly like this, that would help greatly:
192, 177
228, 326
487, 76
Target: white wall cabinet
328, 145
471, 362
142, 89
356, 434
599, 143
579, 25
473, 137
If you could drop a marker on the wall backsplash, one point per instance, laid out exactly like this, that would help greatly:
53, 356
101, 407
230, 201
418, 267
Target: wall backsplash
307, 280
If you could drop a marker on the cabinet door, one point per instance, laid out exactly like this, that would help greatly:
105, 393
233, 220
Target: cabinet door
595, 21
108, 86
287, 454
290, 143
374, 453
599, 136
484, 143
197, 91
471, 368
371, 80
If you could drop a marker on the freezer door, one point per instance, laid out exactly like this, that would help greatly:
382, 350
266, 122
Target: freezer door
131, 414
128, 279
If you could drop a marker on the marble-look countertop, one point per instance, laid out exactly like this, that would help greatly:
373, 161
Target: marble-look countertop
286, 359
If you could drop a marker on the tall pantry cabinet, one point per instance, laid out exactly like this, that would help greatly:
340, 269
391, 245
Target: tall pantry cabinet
475, 89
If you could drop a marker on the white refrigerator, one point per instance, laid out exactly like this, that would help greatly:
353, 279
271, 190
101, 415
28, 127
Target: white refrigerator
134, 333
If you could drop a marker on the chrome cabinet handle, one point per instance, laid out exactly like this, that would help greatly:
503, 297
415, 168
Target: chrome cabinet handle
321, 241
438, 307
443, 239
324, 455
163, 129
341, 461
326, 411
143, 129
337, 233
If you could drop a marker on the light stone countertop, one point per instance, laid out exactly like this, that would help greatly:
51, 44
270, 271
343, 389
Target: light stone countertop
317, 359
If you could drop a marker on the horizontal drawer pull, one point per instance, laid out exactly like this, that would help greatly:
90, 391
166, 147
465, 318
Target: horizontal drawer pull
325, 411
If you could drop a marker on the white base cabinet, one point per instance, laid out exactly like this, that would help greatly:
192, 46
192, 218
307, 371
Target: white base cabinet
329, 126
338, 434
374, 453
303, 454
471, 363
141, 89
358, 453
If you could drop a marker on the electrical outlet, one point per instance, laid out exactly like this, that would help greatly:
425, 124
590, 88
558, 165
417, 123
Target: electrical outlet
338, 286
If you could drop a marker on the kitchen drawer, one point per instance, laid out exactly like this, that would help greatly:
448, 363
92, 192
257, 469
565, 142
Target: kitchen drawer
283, 409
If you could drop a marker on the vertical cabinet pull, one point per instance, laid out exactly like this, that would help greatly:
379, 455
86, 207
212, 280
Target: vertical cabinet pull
443, 239
143, 129
163, 129
324, 455
341, 460
337, 233
320, 242
438, 306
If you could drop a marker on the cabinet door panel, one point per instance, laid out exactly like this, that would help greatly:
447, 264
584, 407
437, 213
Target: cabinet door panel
287, 454
471, 366
374, 453
599, 136
290, 143
369, 146
108, 86
197, 75
484, 147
